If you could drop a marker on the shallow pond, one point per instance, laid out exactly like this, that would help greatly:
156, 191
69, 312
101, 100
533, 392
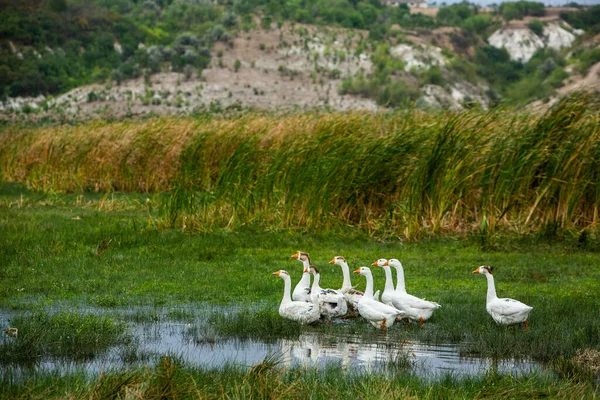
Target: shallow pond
192, 343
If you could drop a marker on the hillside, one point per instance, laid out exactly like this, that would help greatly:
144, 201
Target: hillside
180, 57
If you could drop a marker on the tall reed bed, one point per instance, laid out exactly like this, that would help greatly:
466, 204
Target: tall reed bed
408, 173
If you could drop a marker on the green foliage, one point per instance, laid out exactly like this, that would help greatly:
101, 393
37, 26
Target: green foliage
587, 58
266, 22
236, 65
536, 26
495, 66
433, 76
520, 9
455, 14
477, 24
587, 18
59, 48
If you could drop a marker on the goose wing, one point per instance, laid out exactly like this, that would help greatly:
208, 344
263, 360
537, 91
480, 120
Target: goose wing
300, 311
374, 310
508, 307
415, 302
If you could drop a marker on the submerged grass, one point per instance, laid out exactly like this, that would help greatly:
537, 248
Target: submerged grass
171, 378
409, 174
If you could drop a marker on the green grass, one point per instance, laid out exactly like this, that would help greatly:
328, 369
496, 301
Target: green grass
171, 378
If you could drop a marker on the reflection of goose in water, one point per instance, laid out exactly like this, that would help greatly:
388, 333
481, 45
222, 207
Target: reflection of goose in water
316, 349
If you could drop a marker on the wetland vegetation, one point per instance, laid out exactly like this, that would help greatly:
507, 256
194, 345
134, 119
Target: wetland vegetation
151, 215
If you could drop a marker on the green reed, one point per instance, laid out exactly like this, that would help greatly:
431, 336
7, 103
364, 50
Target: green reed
410, 174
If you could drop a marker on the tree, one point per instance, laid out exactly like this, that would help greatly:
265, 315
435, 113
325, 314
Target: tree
57, 5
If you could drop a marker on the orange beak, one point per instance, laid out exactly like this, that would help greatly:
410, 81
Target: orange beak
476, 271
357, 271
374, 264
385, 264
276, 273
332, 261
295, 256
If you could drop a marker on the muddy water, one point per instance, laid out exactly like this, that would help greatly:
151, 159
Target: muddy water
192, 343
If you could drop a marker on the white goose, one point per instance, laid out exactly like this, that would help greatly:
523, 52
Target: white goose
378, 314
415, 309
332, 303
302, 289
503, 311
352, 295
299, 311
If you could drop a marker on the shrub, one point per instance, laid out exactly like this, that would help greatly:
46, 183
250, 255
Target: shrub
536, 26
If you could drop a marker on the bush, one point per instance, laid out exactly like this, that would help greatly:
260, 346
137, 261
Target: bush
520, 9
265, 23
557, 77
536, 26
236, 65
477, 23
433, 76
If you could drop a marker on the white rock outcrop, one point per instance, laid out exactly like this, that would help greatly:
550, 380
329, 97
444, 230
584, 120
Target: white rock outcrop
418, 57
522, 43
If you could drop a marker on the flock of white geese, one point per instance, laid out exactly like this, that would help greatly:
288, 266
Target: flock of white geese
310, 303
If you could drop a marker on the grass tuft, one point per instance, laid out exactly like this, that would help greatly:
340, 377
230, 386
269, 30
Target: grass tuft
66, 335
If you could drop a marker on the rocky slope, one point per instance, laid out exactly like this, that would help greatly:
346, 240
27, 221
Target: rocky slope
301, 67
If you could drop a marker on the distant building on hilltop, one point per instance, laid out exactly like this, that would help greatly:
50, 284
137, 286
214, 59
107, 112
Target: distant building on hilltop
409, 3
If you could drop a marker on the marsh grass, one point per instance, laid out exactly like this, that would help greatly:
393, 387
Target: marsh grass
409, 174
66, 335
265, 324
171, 378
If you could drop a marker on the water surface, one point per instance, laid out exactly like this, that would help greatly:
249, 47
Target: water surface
195, 344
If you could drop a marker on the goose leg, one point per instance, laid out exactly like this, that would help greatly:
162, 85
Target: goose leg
526, 325
421, 321
382, 325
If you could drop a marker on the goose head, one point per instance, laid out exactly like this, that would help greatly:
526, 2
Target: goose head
301, 256
313, 270
382, 262
339, 260
364, 271
484, 269
392, 262
282, 274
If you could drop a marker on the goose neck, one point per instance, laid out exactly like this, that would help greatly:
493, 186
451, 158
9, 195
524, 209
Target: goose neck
287, 289
305, 280
369, 288
389, 283
346, 284
491, 292
400, 287
316, 280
